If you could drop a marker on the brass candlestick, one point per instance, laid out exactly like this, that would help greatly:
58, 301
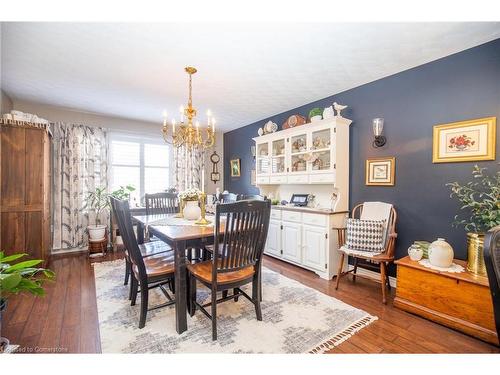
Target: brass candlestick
203, 220
181, 208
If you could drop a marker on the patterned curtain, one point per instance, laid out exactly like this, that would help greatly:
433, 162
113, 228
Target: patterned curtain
189, 162
80, 165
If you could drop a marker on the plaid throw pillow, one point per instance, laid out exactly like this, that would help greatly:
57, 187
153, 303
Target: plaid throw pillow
365, 235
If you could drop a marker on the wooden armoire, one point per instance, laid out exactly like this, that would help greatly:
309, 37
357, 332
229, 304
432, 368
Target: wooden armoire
25, 179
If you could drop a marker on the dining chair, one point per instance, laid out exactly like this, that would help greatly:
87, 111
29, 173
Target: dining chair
492, 262
228, 198
238, 259
369, 211
146, 272
161, 203
257, 197
147, 249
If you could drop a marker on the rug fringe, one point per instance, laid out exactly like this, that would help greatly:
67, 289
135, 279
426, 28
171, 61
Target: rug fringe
343, 336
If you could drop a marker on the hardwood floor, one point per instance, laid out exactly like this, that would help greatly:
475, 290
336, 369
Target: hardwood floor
65, 320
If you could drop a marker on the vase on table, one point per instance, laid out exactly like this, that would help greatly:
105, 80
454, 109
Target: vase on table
192, 210
475, 257
441, 253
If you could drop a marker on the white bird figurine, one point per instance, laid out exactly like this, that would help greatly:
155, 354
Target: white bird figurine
339, 107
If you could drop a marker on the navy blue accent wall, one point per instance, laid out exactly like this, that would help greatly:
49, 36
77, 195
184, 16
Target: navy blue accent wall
459, 87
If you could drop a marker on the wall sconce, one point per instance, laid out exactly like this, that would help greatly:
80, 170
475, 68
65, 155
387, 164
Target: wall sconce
378, 127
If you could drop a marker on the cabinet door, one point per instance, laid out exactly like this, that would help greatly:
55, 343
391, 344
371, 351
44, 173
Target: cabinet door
291, 241
314, 247
273, 242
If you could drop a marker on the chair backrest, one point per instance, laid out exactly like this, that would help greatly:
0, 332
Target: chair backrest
256, 197
161, 203
242, 243
228, 198
390, 228
122, 212
492, 261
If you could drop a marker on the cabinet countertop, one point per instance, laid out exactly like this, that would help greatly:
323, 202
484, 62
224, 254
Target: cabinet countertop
322, 211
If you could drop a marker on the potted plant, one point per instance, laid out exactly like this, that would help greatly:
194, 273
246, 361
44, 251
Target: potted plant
18, 278
97, 200
315, 114
190, 197
123, 193
480, 198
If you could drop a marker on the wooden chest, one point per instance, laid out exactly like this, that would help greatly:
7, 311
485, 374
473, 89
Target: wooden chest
461, 301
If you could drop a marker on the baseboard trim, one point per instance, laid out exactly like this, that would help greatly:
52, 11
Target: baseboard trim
68, 251
372, 274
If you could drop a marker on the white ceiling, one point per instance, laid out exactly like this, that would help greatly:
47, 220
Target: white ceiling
246, 72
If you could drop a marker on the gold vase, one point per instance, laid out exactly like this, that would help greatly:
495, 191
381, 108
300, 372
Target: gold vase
475, 256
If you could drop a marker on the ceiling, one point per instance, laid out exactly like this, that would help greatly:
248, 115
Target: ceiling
246, 72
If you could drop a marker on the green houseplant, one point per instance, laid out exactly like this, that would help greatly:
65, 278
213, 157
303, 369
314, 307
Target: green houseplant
480, 199
315, 114
21, 277
123, 193
98, 201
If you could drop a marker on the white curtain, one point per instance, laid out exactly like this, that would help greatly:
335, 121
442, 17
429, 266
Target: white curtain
189, 162
80, 165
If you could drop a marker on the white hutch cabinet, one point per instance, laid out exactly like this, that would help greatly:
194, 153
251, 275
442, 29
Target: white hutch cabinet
312, 159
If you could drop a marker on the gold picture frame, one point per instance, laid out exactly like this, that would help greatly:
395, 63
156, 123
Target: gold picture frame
235, 167
380, 171
471, 140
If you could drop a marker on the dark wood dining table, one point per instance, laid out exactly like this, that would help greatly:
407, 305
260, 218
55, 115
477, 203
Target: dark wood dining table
180, 237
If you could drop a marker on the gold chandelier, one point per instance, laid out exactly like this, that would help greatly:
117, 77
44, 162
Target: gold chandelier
186, 132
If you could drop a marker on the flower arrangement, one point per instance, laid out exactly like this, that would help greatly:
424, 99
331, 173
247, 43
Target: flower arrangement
190, 195
481, 198
461, 142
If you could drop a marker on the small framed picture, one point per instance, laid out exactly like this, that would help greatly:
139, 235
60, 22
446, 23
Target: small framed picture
380, 171
235, 168
471, 140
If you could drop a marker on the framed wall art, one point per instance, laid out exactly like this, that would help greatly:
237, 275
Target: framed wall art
471, 140
235, 168
380, 171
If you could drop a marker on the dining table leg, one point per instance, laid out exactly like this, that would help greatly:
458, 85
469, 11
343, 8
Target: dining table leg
180, 286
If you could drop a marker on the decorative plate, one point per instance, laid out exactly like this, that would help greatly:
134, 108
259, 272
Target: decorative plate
294, 120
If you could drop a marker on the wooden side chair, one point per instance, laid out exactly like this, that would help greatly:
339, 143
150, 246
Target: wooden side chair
238, 259
256, 197
147, 272
492, 262
379, 262
161, 203
147, 249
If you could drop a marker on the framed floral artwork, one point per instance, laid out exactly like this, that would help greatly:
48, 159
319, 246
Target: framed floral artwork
470, 140
380, 171
235, 168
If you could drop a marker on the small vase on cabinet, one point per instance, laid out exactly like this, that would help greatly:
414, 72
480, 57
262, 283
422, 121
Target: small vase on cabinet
475, 257
441, 253
191, 210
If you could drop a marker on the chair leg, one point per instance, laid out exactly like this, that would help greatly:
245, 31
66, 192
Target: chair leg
144, 304
133, 290
235, 290
256, 297
224, 293
128, 267
214, 314
171, 285
339, 272
355, 269
383, 280
192, 294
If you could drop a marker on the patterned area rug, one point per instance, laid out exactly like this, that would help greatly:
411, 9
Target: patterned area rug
296, 319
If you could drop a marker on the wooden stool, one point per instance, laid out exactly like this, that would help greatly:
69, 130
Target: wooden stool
98, 246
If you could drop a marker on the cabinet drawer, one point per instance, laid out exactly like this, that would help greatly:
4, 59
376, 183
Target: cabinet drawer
292, 216
262, 180
277, 180
314, 219
276, 214
322, 178
298, 179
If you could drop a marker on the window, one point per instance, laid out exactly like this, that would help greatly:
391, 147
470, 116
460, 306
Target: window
140, 161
